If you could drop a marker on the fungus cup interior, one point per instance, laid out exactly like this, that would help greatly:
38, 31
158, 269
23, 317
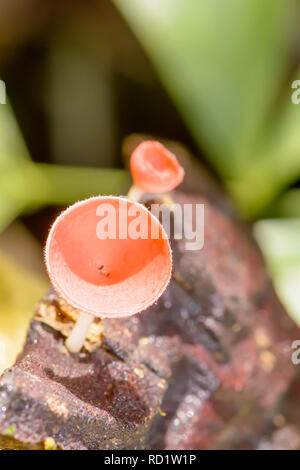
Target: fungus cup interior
154, 168
108, 277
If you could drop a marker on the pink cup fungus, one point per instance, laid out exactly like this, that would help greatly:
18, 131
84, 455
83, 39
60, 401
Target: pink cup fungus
107, 257
154, 169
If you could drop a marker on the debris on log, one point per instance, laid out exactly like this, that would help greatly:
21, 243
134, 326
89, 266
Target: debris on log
207, 367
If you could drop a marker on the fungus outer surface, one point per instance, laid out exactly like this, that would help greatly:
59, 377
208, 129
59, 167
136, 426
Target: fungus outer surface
154, 168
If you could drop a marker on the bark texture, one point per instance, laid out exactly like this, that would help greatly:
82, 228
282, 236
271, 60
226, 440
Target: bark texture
207, 367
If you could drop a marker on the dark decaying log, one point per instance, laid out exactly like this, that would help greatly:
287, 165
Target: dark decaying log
207, 367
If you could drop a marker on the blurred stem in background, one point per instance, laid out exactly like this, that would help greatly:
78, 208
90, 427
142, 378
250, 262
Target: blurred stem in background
20, 289
25, 185
289, 204
280, 242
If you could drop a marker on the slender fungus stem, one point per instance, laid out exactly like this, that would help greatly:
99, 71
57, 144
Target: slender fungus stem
135, 193
75, 341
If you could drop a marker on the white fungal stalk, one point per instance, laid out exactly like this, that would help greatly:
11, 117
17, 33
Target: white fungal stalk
135, 193
75, 341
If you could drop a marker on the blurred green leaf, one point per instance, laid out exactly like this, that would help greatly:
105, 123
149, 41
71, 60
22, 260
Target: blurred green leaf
224, 64
12, 146
28, 186
9, 210
13, 153
280, 242
19, 291
66, 184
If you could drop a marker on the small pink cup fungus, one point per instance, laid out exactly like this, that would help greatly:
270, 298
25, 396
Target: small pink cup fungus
107, 257
154, 169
